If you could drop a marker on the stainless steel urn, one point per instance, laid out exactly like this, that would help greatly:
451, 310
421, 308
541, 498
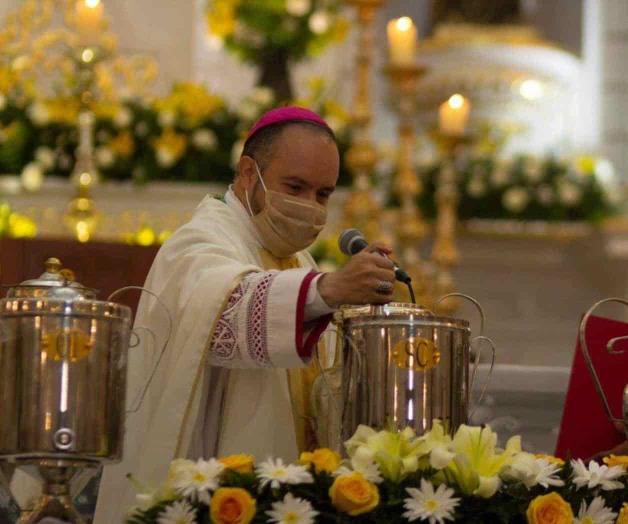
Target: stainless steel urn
402, 366
63, 358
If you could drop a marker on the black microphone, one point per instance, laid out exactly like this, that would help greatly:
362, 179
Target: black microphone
351, 241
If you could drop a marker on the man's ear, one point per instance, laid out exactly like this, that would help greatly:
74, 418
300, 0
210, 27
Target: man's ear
246, 171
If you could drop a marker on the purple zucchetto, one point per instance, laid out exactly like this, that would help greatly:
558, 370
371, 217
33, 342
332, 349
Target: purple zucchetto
286, 114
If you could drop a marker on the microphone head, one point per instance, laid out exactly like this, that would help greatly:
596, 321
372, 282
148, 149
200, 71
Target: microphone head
351, 241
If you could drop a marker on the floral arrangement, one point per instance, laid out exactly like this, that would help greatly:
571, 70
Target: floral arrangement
393, 477
257, 31
189, 135
529, 188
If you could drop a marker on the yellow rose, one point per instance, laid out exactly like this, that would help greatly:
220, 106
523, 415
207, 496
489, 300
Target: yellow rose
353, 494
616, 460
232, 506
549, 509
551, 459
323, 459
239, 463
622, 518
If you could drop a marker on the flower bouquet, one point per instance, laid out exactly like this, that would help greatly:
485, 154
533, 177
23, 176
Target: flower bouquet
393, 477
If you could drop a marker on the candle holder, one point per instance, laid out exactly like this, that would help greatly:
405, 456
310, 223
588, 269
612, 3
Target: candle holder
445, 255
408, 186
81, 216
361, 210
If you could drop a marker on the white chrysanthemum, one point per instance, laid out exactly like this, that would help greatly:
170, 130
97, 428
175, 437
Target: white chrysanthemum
165, 157
595, 513
39, 114
177, 513
275, 473
515, 199
204, 139
298, 7
45, 156
596, 475
166, 118
32, 176
476, 187
569, 194
123, 117
605, 172
319, 22
292, 510
105, 157
532, 471
196, 479
427, 504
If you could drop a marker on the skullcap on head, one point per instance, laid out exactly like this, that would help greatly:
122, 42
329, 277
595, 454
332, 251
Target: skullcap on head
286, 114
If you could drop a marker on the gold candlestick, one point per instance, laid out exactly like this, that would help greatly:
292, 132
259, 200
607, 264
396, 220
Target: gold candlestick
445, 253
361, 209
411, 228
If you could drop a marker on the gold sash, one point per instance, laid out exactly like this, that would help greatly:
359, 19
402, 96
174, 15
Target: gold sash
300, 381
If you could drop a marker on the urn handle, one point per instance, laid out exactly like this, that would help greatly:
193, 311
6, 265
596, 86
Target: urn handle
137, 403
610, 347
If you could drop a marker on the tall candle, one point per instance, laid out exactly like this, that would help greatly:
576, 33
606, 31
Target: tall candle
402, 41
89, 20
453, 115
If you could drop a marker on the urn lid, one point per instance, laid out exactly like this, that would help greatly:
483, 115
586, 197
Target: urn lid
54, 282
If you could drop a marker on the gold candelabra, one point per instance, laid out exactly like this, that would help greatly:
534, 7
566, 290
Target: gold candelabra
361, 209
408, 186
445, 255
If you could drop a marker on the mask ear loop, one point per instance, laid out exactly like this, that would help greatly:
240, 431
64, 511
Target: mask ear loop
246, 193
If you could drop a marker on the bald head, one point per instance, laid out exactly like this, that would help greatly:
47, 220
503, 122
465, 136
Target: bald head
296, 158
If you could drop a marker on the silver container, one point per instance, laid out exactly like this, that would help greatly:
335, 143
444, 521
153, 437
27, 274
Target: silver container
402, 366
62, 373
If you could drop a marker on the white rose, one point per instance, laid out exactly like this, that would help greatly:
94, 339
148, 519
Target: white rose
104, 156
298, 7
46, 157
247, 110
32, 176
122, 117
166, 118
263, 96
39, 114
515, 199
476, 187
204, 139
236, 152
533, 170
3, 101
545, 195
500, 175
319, 22
165, 158
569, 194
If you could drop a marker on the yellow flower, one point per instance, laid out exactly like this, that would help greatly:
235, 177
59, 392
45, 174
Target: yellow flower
549, 509
63, 110
239, 463
192, 101
123, 144
353, 494
622, 518
170, 147
551, 459
21, 226
617, 460
221, 17
232, 506
323, 459
585, 164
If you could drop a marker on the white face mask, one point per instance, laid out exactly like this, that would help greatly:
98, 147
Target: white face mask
287, 224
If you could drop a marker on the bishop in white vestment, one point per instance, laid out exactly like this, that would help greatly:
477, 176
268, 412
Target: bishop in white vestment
248, 308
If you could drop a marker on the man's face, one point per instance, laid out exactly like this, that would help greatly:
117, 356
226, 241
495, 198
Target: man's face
304, 163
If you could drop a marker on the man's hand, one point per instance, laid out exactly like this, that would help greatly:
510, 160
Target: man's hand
368, 278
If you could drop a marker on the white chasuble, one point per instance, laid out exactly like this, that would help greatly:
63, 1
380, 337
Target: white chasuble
222, 384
